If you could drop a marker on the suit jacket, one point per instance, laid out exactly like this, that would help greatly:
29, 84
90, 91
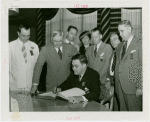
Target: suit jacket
128, 71
89, 80
57, 70
100, 63
21, 73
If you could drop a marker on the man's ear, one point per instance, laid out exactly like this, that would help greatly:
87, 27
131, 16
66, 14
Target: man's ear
129, 29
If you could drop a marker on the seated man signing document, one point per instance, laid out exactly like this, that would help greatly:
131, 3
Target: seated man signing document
82, 77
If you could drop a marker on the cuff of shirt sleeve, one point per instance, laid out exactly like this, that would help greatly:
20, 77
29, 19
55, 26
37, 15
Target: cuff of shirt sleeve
34, 84
84, 99
107, 79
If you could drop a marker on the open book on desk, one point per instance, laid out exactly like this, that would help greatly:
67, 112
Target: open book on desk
64, 94
71, 92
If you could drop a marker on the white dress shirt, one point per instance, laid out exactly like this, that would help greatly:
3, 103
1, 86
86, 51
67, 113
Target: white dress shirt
98, 45
20, 73
58, 49
129, 41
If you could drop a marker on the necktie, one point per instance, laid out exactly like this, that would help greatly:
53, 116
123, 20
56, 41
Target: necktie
24, 53
79, 78
124, 49
95, 51
114, 62
59, 53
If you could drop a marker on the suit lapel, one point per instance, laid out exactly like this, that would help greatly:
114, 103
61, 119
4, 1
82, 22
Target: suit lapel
84, 78
93, 52
130, 47
54, 54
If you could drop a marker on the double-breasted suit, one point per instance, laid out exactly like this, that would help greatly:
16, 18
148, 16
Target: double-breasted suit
57, 70
128, 72
100, 63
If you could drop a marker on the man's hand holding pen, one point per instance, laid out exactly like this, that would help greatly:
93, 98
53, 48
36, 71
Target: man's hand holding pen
56, 90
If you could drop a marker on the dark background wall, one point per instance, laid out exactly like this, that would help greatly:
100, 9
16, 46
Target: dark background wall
25, 15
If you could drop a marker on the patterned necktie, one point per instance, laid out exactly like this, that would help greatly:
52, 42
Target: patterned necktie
95, 51
124, 49
24, 53
114, 62
59, 53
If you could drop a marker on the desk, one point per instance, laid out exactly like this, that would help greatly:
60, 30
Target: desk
23, 103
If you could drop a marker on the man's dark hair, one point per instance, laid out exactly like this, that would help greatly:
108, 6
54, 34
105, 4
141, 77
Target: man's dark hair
96, 29
83, 34
116, 33
72, 27
25, 26
81, 58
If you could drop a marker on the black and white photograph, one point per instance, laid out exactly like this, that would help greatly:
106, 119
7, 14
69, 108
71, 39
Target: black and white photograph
75, 57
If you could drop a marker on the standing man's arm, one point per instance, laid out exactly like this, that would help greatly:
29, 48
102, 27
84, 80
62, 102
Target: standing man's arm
139, 90
67, 84
103, 72
37, 70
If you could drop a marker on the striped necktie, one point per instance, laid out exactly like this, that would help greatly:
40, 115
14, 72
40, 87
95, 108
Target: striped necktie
95, 51
24, 53
59, 53
124, 49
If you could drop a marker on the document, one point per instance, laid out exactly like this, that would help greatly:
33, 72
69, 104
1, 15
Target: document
71, 92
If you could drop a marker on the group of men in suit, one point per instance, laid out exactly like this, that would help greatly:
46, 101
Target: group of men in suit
95, 71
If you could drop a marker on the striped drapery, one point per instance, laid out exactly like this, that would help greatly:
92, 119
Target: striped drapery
105, 24
115, 18
107, 21
40, 28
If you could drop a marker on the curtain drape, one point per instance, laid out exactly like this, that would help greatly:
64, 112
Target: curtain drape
135, 17
64, 18
82, 10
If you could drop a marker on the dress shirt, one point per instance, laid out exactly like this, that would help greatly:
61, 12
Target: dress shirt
111, 73
129, 41
58, 49
98, 45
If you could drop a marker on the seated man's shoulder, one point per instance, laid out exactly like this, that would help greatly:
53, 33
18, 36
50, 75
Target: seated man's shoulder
93, 72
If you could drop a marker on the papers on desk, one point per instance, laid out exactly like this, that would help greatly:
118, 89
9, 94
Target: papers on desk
71, 92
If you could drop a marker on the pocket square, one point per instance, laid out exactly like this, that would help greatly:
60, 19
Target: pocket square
102, 54
133, 51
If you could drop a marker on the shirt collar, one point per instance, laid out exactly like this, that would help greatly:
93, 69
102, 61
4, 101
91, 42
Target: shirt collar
130, 39
21, 43
67, 41
99, 45
57, 48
